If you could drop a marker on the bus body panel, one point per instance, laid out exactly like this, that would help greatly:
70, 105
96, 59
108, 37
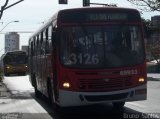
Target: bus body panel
86, 85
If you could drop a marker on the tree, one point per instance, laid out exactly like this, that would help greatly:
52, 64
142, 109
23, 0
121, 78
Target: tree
147, 27
2, 8
152, 44
147, 5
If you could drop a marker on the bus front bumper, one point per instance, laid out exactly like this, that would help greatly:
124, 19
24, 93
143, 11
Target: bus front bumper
70, 98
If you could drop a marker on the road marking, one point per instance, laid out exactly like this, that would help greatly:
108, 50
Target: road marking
137, 105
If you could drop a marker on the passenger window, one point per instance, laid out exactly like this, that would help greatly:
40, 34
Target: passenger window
47, 43
32, 48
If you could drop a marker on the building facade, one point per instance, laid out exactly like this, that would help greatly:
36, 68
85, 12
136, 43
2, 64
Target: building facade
155, 21
25, 48
11, 41
153, 42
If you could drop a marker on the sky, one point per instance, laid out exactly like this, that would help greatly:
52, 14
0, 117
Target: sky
31, 14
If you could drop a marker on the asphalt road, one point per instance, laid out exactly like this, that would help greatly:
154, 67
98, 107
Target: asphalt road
17, 101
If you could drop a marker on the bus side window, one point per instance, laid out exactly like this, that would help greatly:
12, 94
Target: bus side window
50, 46
32, 48
41, 41
34, 45
37, 43
54, 41
47, 42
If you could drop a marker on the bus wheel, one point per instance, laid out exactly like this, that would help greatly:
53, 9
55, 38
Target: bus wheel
37, 93
52, 102
118, 105
50, 92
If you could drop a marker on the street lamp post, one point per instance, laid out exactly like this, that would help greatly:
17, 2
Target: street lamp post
4, 28
7, 25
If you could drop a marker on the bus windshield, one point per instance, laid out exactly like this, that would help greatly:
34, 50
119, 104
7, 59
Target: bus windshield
15, 59
101, 46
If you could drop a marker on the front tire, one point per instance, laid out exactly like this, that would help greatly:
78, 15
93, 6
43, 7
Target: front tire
51, 98
37, 93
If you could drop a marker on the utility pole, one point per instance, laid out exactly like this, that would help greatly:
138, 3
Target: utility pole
63, 1
7, 25
86, 3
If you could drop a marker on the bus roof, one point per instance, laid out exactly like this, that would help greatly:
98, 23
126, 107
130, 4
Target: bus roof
100, 8
73, 10
15, 52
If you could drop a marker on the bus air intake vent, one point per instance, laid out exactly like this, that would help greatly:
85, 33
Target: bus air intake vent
106, 97
102, 84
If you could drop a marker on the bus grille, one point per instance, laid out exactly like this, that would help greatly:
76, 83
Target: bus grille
106, 85
119, 96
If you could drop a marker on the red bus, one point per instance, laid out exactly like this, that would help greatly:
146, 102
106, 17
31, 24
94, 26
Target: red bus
85, 56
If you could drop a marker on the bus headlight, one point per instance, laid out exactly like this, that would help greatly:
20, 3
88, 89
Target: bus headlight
8, 67
66, 85
141, 80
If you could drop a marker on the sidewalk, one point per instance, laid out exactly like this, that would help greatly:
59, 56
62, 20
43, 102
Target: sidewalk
4, 92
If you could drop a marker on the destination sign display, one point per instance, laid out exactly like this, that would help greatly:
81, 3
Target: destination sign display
105, 16
98, 16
